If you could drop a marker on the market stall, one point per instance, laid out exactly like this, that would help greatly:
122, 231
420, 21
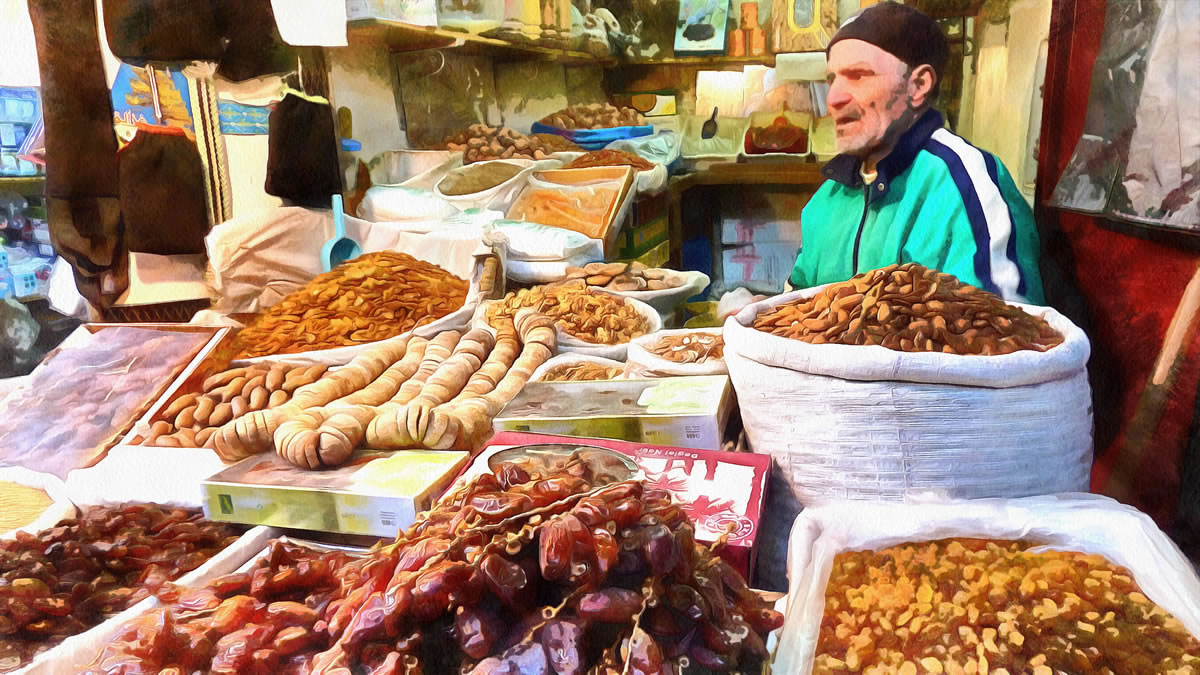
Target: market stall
498, 424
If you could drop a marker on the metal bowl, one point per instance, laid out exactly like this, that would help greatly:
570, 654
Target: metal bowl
604, 465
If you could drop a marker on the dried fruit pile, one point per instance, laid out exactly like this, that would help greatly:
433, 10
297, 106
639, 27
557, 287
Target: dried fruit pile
514, 573
591, 316
581, 371
481, 142
624, 277
191, 420
974, 606
594, 116
82, 571
82, 399
437, 393
913, 309
689, 348
373, 297
609, 158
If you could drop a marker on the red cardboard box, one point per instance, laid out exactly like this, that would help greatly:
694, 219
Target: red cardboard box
716, 489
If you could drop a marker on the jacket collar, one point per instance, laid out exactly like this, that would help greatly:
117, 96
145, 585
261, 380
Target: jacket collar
845, 168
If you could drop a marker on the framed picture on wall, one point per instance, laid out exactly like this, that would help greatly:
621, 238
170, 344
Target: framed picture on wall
802, 25
701, 27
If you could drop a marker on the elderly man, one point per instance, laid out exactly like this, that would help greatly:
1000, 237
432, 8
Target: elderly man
904, 189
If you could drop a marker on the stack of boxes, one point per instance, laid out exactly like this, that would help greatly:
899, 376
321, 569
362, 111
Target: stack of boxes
646, 236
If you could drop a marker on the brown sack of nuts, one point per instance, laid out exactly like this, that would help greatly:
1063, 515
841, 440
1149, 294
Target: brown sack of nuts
910, 308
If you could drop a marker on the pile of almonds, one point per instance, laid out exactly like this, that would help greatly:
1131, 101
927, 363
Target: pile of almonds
578, 311
913, 309
190, 420
961, 606
624, 277
373, 297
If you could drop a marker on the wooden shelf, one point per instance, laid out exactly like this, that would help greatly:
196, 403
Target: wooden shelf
766, 172
714, 61
25, 185
405, 37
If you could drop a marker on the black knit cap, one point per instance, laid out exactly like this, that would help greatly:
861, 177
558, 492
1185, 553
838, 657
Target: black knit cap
905, 32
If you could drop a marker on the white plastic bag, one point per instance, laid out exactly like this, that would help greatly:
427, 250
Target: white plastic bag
545, 271
497, 197
1067, 522
535, 242
399, 203
643, 363
866, 422
572, 359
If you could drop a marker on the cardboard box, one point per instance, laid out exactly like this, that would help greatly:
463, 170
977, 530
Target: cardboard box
740, 231
578, 183
716, 489
762, 266
640, 240
658, 256
681, 411
375, 493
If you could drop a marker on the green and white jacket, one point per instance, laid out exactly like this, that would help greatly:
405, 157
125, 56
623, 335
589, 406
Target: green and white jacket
937, 201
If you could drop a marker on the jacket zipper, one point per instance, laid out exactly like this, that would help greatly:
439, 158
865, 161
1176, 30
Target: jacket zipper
861, 224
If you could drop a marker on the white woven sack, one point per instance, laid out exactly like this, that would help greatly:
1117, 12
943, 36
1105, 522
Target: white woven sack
572, 359
644, 364
498, 196
870, 423
1067, 522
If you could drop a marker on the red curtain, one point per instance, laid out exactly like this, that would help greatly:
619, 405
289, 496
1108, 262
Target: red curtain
1124, 285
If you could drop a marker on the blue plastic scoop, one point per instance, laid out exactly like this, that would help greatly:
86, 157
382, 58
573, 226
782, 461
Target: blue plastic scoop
341, 248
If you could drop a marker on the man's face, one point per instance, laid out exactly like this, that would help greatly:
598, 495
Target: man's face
868, 96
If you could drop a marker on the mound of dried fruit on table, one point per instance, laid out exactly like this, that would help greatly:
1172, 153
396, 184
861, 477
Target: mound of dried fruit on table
438, 393
591, 316
609, 158
373, 297
961, 606
480, 142
191, 420
514, 573
625, 277
696, 347
75, 575
913, 309
582, 371
82, 399
594, 116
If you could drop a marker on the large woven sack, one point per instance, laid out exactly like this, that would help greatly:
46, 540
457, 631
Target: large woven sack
869, 423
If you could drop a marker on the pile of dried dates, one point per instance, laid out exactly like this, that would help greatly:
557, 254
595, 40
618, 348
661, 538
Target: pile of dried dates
516, 572
82, 571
